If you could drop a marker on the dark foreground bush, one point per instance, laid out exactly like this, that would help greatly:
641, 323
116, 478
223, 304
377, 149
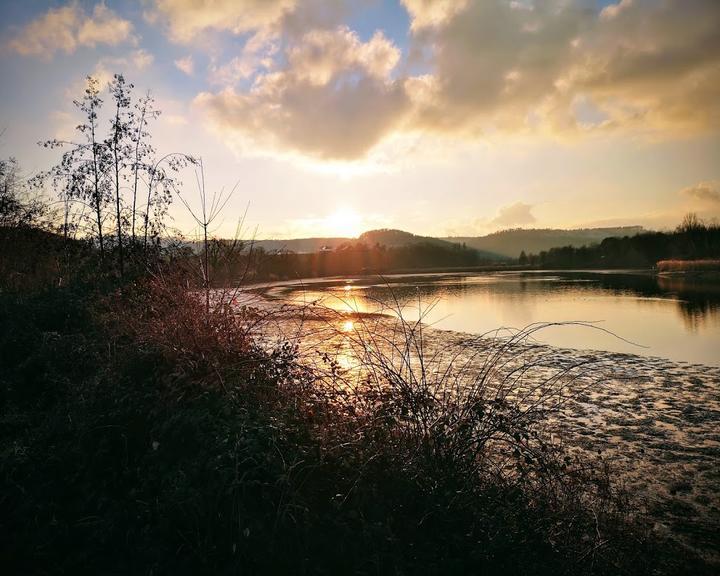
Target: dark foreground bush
139, 436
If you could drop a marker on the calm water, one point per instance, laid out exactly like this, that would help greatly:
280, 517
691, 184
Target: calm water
666, 317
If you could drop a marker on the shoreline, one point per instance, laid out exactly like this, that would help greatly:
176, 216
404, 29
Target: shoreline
655, 421
439, 272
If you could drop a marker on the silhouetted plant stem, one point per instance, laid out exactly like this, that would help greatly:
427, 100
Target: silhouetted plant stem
136, 168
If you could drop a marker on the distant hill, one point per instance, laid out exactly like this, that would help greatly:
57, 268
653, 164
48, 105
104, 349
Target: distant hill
509, 243
398, 238
495, 246
384, 237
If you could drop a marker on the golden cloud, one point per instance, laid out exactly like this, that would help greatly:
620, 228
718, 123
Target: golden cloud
705, 192
334, 99
69, 27
428, 13
185, 19
516, 214
490, 66
256, 54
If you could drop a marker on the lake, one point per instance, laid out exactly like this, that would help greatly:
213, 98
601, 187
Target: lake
630, 312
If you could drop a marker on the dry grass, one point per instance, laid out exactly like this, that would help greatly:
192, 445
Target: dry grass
688, 265
477, 416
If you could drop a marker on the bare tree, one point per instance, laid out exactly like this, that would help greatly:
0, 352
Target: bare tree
93, 170
118, 144
83, 168
143, 151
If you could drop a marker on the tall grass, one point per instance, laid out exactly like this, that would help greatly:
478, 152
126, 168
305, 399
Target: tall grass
476, 418
173, 440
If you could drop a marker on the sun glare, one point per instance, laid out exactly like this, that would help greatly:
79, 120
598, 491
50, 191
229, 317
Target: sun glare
344, 222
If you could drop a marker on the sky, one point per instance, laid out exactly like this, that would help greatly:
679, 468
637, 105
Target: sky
439, 117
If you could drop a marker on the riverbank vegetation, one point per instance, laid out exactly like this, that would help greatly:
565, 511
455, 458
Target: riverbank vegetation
360, 258
692, 240
143, 435
148, 430
705, 265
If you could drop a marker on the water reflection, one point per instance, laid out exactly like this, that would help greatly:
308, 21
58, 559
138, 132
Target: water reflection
671, 317
699, 302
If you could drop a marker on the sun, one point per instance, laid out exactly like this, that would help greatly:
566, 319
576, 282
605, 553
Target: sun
344, 222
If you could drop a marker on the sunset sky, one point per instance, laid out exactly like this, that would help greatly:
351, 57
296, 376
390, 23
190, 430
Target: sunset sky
440, 117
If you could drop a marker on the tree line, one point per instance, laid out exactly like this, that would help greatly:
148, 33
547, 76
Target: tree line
693, 239
361, 258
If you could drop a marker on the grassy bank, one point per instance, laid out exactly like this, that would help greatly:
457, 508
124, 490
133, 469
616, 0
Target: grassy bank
141, 435
709, 266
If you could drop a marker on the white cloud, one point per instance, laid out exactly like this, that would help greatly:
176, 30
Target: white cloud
136, 61
335, 98
185, 19
323, 54
186, 65
428, 13
614, 10
69, 27
139, 59
103, 27
516, 214
490, 67
256, 54
649, 67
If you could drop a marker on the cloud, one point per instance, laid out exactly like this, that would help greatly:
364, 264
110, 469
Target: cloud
494, 64
256, 54
334, 98
653, 66
135, 61
558, 68
706, 192
186, 19
644, 66
140, 59
515, 214
429, 13
103, 27
323, 54
186, 65
614, 10
69, 27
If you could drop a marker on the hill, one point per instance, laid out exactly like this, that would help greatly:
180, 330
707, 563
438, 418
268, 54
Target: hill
384, 237
391, 238
509, 243
496, 246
